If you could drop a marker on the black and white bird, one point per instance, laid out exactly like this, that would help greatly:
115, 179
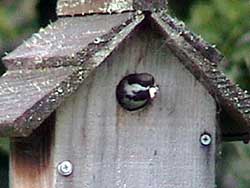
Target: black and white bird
136, 91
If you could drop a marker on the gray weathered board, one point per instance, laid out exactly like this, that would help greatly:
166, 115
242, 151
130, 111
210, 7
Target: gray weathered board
80, 7
62, 67
59, 43
153, 148
31, 158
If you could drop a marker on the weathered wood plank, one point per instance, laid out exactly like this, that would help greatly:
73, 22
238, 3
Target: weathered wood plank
79, 7
58, 44
25, 93
202, 61
199, 45
156, 147
31, 158
49, 87
155, 5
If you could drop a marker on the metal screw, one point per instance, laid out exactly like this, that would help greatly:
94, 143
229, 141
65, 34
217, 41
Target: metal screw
206, 139
65, 168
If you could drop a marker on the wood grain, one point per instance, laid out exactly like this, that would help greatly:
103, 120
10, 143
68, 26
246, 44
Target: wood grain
23, 96
78, 7
31, 158
152, 148
58, 43
202, 60
38, 92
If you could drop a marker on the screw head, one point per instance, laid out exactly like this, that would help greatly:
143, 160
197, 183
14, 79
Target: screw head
65, 168
205, 139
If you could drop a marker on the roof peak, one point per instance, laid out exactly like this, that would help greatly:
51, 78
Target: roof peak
200, 58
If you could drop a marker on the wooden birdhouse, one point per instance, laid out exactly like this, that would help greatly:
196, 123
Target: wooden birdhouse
68, 129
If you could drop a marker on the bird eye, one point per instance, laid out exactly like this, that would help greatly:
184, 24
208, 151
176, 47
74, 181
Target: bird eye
136, 91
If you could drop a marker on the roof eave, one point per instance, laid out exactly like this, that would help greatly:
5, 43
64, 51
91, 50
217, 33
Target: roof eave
202, 60
33, 117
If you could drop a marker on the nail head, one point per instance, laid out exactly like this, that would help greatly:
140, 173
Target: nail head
205, 139
65, 168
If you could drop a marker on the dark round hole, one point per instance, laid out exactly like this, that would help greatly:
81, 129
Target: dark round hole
136, 91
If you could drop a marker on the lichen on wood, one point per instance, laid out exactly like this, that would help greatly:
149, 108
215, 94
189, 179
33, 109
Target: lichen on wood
64, 80
80, 7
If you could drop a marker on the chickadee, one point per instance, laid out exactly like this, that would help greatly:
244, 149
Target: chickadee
136, 91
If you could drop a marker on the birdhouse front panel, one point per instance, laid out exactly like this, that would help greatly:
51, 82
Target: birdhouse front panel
127, 99
168, 142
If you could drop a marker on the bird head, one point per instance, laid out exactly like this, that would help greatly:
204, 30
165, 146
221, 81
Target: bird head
136, 91
153, 90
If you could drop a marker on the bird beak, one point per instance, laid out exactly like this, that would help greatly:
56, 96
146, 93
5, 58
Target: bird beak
153, 91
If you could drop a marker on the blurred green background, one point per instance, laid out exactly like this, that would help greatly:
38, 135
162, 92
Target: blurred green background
225, 23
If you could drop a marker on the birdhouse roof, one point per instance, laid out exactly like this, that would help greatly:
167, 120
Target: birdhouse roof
52, 64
